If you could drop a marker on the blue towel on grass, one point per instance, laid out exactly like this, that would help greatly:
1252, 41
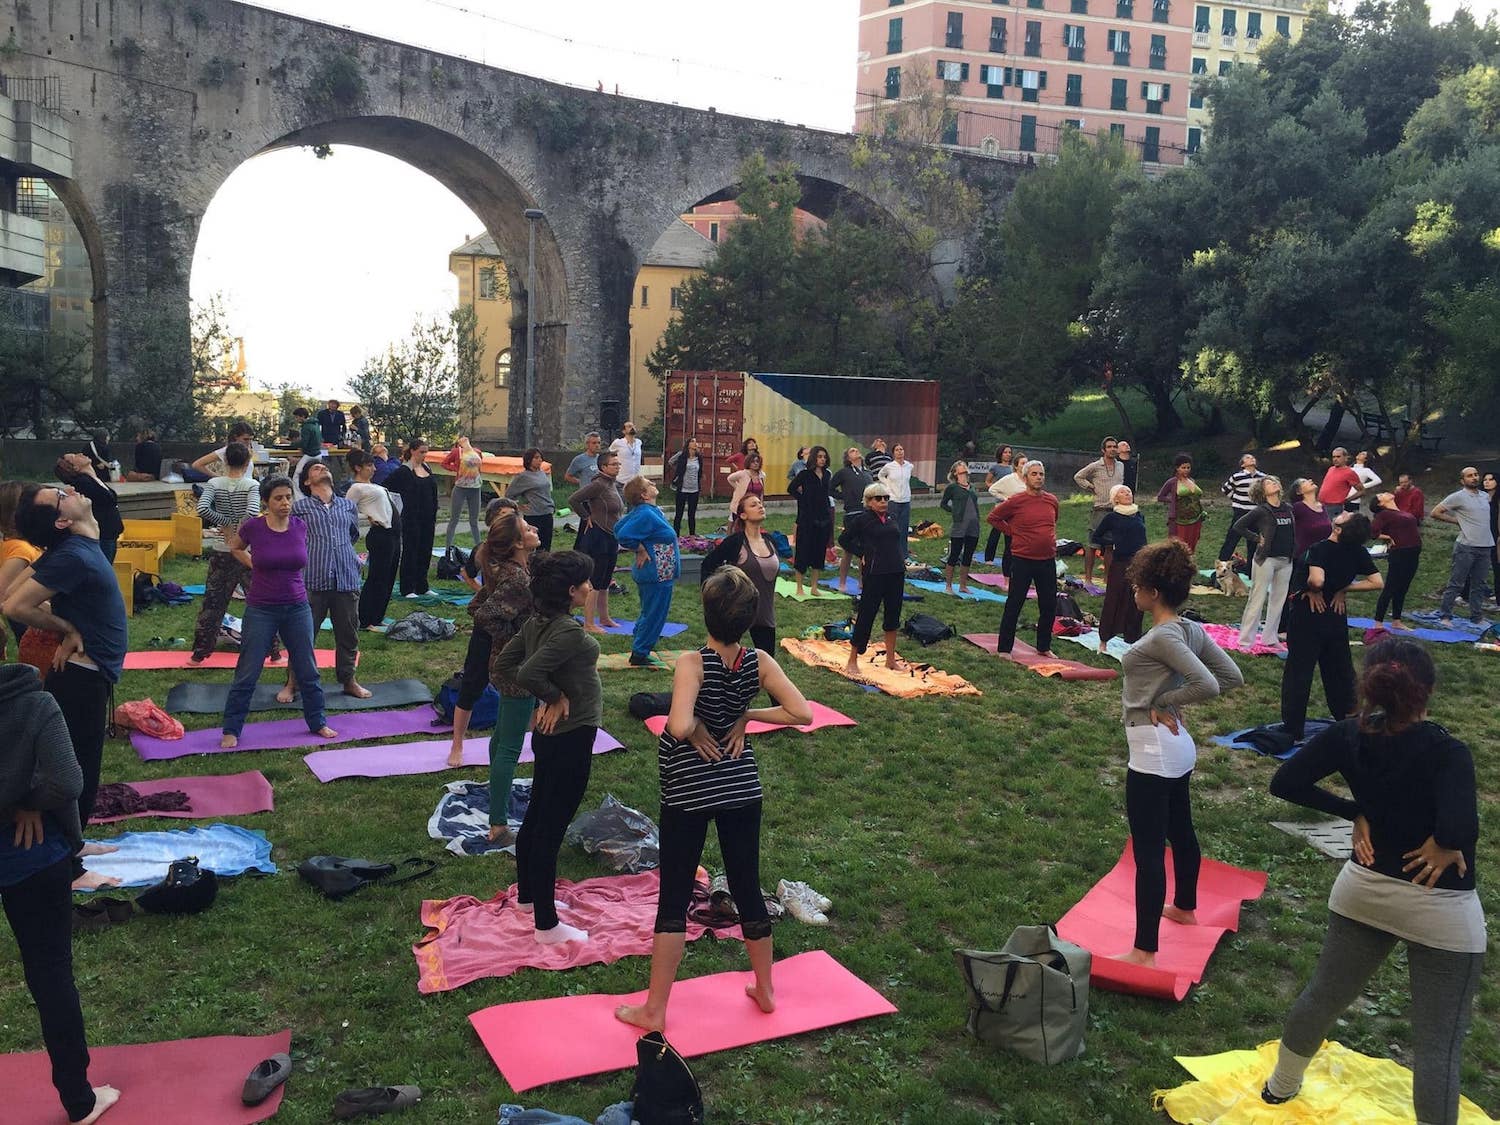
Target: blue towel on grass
1454, 636
852, 588
462, 816
143, 858
974, 595
624, 628
1234, 739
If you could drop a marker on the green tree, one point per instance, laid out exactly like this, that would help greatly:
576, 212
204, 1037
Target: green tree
471, 385
412, 389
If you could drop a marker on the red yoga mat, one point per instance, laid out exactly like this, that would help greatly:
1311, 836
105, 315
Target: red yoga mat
1049, 664
209, 797
1104, 924
180, 1082
822, 717
535, 1042
154, 660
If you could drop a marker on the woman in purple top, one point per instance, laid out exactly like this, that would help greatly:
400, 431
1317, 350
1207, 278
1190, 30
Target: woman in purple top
274, 546
1310, 523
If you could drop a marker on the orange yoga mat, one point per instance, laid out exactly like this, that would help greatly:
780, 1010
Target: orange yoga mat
535, 1042
907, 683
155, 660
180, 1082
490, 463
1104, 924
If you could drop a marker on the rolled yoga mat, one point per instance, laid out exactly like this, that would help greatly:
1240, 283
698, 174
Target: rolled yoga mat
1103, 922
154, 660
209, 699
209, 797
288, 734
822, 717
400, 759
535, 1042
179, 1082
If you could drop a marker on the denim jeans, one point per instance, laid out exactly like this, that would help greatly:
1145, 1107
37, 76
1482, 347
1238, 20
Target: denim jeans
1471, 566
901, 513
261, 625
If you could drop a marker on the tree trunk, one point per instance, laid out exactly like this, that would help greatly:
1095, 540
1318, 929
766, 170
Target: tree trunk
1127, 427
1168, 421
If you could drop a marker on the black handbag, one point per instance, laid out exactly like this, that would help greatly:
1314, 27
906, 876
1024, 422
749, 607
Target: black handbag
187, 889
666, 1093
450, 567
339, 876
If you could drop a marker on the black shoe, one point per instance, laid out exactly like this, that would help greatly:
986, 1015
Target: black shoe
1271, 1099
374, 1100
264, 1079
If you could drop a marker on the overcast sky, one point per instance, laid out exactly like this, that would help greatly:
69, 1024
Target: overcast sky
323, 262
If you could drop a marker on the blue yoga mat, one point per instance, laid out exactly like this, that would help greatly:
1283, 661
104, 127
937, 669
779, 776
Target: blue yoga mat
200, 589
143, 858
974, 595
624, 628
852, 588
1440, 636
1310, 728
1460, 624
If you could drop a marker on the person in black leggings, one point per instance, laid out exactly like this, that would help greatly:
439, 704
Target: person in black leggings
476, 671
880, 542
1403, 533
708, 774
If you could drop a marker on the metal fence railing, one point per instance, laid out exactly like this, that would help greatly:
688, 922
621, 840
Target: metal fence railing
46, 90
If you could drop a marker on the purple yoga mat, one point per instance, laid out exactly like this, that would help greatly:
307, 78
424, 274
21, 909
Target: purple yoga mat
289, 734
402, 758
209, 798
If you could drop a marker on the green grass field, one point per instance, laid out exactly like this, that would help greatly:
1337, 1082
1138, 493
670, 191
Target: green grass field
934, 825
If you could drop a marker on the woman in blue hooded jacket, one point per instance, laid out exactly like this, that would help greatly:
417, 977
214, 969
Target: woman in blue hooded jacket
658, 563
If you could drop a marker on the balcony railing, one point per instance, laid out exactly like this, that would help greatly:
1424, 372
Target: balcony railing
46, 91
1227, 42
1200, 39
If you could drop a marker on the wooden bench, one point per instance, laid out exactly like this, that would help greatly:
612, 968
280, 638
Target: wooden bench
183, 534
125, 577
145, 555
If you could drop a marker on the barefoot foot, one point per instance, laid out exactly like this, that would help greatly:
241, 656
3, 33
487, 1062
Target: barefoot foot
97, 849
502, 835
1138, 957
104, 1097
455, 757
592, 628
638, 1015
326, 731
228, 742
287, 695
354, 689
1181, 917
93, 881
764, 997
195, 662
559, 934
609, 623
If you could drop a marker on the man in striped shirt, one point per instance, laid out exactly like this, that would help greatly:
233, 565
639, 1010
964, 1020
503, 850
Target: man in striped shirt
332, 574
1237, 488
225, 503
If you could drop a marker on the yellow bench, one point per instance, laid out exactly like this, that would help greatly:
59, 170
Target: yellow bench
125, 577
145, 555
183, 534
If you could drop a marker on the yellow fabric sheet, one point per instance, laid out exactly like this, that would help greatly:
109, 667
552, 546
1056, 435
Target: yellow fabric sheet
918, 680
1341, 1087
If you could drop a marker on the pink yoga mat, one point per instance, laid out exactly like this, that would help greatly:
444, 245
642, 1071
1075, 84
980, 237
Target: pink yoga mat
822, 717
1045, 665
404, 758
1227, 637
999, 582
535, 1042
180, 1082
209, 797
155, 660
468, 939
1104, 924
288, 734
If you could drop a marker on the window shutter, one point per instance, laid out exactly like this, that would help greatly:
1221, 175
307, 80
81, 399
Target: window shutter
1042, 81
1166, 92
964, 73
1010, 76
1144, 88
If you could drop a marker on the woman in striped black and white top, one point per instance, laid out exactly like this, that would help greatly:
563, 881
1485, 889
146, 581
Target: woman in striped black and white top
708, 773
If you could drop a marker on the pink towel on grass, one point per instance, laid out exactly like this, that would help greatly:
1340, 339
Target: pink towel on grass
469, 939
1227, 637
210, 797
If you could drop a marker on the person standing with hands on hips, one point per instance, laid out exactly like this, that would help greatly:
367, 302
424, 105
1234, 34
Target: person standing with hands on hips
1030, 519
1099, 479
627, 447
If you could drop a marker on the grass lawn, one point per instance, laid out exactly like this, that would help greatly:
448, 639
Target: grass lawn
1088, 417
933, 825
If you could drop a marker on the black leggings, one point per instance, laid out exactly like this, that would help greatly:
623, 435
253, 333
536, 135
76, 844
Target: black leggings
763, 637
384, 546
40, 912
83, 696
1321, 641
1042, 573
476, 669
991, 545
811, 550
560, 777
682, 837
961, 550
878, 590
1159, 809
543, 525
690, 500
1401, 568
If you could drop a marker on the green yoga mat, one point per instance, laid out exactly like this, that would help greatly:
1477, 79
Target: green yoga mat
209, 699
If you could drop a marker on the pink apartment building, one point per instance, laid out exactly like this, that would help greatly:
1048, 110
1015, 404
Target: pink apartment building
1018, 72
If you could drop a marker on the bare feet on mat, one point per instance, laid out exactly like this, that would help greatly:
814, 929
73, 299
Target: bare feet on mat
196, 661
326, 731
592, 628
1138, 957
948, 589
765, 998
609, 623
964, 590
354, 689
456, 757
502, 835
97, 849
287, 694
104, 1097
228, 742
815, 592
638, 1015
1180, 916
852, 669
559, 934
93, 881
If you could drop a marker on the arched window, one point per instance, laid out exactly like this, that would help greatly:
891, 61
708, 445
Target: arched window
502, 369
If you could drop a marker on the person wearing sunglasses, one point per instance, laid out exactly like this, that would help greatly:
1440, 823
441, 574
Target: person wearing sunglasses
879, 541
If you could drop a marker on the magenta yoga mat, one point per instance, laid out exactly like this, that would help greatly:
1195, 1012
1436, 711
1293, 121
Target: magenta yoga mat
209, 797
290, 734
400, 759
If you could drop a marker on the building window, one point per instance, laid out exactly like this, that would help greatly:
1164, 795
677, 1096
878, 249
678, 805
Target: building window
1079, 7
1074, 92
1160, 11
1201, 19
1195, 92
955, 36
1224, 65
1073, 40
1284, 26
1227, 28
997, 34
1118, 131
1119, 46
1195, 140
893, 82
953, 71
645, 296
1154, 94
1033, 3
993, 78
1028, 133
895, 3
1125, 9
1158, 52
893, 36
1073, 123
1117, 93
1151, 146
1033, 38
713, 232
1252, 25
502, 370
1030, 82
489, 283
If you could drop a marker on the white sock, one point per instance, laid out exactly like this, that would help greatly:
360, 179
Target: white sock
1286, 1079
562, 932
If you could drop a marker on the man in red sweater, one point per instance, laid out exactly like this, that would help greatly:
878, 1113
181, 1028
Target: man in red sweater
1341, 484
1030, 519
1409, 498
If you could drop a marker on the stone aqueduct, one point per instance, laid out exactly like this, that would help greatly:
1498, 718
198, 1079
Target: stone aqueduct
166, 98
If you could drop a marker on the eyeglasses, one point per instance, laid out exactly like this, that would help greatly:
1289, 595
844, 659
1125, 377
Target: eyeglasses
879, 497
62, 494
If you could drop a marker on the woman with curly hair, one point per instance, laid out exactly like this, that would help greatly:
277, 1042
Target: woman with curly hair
1173, 665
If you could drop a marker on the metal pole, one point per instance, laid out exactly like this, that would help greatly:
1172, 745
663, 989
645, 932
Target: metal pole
532, 215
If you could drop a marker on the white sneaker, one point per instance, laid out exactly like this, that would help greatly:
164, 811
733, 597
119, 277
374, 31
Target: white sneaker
803, 903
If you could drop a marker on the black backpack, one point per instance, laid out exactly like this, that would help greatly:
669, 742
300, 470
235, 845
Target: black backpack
926, 629
450, 567
665, 1092
648, 704
1067, 606
338, 876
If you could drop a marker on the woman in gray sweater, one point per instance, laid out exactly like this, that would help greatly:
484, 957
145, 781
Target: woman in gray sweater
1173, 665
531, 489
40, 833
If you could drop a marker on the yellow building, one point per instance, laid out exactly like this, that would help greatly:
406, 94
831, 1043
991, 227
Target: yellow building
1230, 35
484, 284
679, 254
